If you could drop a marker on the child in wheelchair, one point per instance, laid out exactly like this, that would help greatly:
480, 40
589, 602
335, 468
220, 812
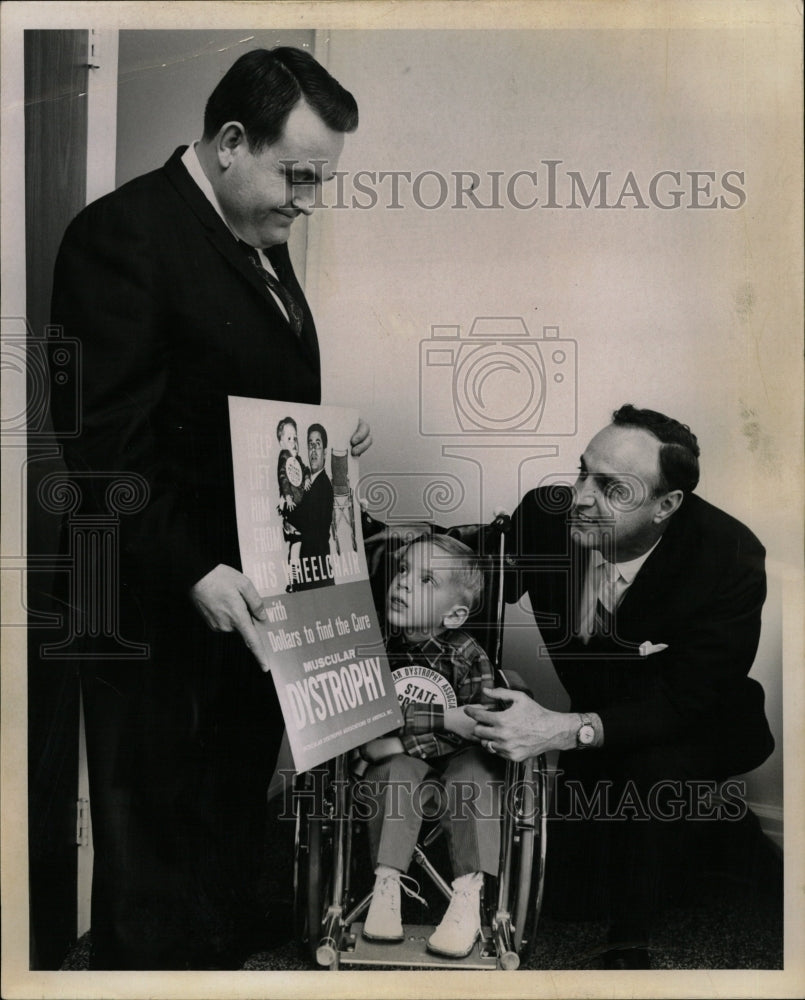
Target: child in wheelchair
433, 762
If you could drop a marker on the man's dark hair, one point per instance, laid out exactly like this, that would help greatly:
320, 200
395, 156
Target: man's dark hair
321, 430
262, 88
679, 454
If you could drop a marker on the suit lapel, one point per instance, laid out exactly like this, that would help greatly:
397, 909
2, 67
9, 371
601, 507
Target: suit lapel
559, 584
658, 576
580, 562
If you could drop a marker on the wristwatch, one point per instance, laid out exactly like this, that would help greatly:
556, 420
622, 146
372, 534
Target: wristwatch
585, 737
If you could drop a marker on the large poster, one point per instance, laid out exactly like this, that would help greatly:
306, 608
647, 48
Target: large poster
301, 545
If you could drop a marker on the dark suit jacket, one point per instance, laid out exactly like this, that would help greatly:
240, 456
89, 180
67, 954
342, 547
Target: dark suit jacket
700, 593
172, 317
314, 518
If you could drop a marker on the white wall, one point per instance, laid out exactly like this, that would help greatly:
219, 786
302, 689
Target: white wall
693, 312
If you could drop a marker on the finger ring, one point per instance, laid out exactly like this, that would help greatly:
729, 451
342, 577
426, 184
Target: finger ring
489, 747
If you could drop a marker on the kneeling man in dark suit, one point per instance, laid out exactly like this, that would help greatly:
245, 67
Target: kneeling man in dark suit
648, 600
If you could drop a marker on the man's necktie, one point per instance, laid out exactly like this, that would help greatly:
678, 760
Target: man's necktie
292, 308
603, 620
604, 605
596, 618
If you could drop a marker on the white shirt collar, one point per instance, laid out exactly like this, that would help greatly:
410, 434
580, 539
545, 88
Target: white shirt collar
628, 569
194, 168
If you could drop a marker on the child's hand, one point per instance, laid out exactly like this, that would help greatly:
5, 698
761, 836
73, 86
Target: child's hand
308, 484
457, 721
289, 504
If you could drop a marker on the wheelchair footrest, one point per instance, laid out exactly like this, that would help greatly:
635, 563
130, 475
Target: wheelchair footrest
413, 951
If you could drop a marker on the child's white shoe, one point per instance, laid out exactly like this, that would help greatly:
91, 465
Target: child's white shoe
383, 921
460, 927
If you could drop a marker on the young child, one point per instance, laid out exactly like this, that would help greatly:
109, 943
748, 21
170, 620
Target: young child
294, 479
437, 585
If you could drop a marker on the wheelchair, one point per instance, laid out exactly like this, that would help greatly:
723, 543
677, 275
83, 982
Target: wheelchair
332, 878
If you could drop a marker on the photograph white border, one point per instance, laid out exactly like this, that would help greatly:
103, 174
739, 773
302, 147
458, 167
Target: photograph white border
17, 980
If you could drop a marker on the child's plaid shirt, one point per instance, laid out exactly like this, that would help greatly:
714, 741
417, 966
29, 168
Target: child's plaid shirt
458, 657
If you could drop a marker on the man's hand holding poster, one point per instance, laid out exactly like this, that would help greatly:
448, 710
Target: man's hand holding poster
301, 545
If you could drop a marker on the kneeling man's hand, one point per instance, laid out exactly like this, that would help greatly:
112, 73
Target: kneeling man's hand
522, 728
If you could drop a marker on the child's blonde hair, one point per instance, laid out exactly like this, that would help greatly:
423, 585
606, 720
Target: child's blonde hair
463, 566
282, 425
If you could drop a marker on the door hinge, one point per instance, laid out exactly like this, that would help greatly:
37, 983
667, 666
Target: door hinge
94, 50
82, 821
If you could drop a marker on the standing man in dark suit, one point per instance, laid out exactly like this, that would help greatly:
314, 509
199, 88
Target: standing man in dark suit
180, 289
648, 600
313, 517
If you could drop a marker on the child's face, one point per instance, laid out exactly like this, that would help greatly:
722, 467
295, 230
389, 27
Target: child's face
289, 440
422, 597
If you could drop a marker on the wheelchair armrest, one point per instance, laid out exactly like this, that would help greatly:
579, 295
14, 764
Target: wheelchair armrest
516, 682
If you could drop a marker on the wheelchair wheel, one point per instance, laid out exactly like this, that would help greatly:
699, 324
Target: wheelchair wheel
528, 870
316, 888
513, 909
303, 810
319, 874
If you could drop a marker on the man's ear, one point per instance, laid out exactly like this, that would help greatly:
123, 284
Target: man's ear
456, 616
231, 139
670, 503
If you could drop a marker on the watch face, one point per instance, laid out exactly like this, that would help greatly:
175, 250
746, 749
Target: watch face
586, 736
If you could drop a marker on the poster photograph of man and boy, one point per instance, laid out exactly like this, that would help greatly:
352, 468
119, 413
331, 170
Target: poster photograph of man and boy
402, 451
